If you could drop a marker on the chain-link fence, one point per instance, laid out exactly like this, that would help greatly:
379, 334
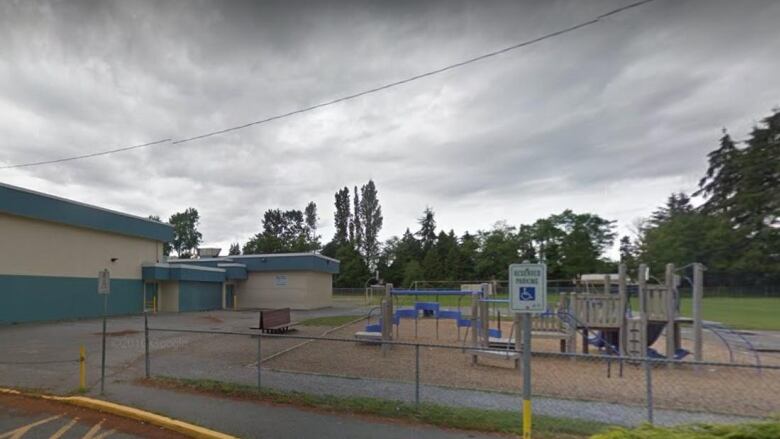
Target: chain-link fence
447, 371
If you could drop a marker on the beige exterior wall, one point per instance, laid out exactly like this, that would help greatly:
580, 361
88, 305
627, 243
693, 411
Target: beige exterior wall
168, 295
34, 247
304, 290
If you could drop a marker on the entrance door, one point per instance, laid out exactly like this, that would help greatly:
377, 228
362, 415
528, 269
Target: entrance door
229, 298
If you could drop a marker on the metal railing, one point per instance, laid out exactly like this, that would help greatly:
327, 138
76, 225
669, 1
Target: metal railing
568, 384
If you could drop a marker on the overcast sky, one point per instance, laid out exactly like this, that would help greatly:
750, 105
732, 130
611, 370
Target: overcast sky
609, 119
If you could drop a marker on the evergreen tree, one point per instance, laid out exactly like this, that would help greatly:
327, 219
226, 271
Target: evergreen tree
311, 218
628, 252
469, 252
676, 204
719, 184
756, 204
234, 249
370, 214
427, 232
355, 227
341, 218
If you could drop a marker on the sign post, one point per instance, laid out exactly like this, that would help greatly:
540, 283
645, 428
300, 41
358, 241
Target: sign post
527, 296
104, 288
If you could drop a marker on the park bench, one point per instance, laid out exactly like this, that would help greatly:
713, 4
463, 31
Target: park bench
275, 321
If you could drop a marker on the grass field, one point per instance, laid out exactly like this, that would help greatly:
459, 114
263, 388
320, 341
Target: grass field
738, 312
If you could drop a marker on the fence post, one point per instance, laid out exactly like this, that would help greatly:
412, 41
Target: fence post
698, 293
259, 358
417, 375
146, 343
649, 386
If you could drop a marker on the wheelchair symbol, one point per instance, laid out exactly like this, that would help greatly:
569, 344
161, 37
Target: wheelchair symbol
527, 294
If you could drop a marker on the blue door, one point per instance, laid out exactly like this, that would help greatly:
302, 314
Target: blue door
229, 299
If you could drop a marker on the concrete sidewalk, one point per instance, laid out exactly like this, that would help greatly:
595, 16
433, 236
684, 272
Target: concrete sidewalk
249, 419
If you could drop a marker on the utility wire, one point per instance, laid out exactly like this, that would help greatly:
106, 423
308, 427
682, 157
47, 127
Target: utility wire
351, 96
85, 156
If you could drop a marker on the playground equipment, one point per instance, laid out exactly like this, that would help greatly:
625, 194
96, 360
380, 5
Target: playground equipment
485, 339
618, 330
599, 313
391, 311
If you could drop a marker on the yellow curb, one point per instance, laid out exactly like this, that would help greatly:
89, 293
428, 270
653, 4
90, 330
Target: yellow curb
185, 428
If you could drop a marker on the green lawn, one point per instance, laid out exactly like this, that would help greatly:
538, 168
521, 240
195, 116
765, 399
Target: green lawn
740, 312
497, 421
736, 312
751, 430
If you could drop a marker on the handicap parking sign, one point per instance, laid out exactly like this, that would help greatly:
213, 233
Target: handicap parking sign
528, 284
527, 293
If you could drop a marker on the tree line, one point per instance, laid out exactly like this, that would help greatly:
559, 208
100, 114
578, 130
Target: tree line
734, 230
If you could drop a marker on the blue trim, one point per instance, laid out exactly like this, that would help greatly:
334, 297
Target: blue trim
22, 202
182, 273
199, 296
288, 263
265, 263
235, 272
40, 298
213, 263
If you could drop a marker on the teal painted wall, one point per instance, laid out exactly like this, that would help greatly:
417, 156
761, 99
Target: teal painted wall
199, 296
36, 298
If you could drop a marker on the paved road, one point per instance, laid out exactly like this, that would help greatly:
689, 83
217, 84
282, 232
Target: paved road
28, 418
249, 419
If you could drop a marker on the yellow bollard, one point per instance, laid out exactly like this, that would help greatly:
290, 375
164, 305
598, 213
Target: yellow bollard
83, 368
526, 419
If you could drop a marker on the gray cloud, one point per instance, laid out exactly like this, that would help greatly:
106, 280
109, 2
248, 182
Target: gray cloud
609, 119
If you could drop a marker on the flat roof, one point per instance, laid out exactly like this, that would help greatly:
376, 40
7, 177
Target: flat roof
284, 255
27, 203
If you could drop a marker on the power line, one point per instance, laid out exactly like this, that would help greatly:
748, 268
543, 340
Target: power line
85, 156
351, 96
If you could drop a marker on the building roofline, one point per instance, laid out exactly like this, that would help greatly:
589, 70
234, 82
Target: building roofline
189, 267
23, 202
283, 255
81, 203
184, 260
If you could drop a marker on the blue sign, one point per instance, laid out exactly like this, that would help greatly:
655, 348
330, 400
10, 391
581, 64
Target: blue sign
527, 294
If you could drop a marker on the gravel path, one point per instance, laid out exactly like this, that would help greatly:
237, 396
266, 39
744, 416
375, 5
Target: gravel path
585, 410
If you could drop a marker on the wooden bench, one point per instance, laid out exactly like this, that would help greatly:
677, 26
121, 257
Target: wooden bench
275, 321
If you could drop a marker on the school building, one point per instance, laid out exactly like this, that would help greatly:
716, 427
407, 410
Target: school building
51, 250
